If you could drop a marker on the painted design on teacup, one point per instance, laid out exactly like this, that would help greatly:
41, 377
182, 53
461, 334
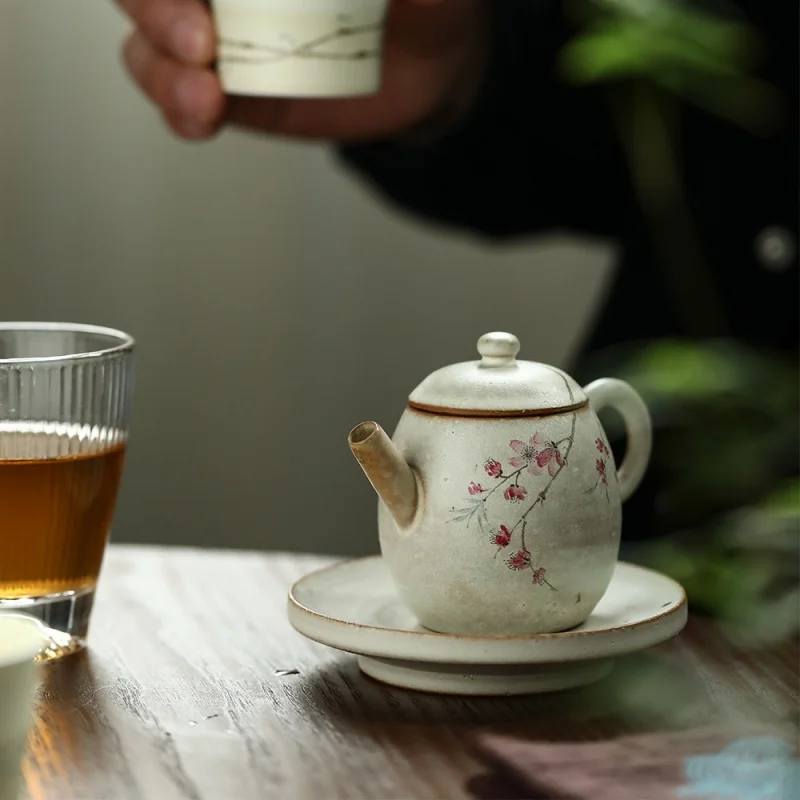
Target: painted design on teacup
601, 467
535, 457
285, 47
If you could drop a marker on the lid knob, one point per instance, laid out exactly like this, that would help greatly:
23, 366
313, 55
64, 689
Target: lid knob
498, 349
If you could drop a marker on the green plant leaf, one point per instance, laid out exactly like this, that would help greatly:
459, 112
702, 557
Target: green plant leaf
608, 53
674, 53
785, 502
728, 39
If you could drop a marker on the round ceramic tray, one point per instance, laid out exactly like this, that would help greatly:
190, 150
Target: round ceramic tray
352, 606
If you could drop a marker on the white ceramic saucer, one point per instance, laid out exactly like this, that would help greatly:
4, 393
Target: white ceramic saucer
352, 606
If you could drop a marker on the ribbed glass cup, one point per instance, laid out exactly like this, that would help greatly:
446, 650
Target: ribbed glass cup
65, 401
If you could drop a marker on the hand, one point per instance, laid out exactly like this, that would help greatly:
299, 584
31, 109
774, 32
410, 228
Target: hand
434, 58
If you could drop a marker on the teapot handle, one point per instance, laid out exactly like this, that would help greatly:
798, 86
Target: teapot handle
617, 394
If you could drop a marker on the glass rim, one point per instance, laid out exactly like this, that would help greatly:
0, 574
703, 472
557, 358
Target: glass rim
126, 342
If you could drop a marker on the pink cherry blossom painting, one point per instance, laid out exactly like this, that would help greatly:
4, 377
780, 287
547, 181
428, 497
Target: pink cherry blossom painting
531, 458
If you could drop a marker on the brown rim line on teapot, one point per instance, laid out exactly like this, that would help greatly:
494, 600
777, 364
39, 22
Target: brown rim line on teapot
500, 503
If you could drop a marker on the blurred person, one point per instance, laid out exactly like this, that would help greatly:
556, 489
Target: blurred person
475, 129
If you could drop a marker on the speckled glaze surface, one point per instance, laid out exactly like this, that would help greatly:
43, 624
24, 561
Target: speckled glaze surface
502, 548
517, 519
313, 48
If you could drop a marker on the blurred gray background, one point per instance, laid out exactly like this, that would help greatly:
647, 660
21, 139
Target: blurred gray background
275, 302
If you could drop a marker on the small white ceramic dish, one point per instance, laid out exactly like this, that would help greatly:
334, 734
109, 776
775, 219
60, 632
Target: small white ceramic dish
22, 640
353, 606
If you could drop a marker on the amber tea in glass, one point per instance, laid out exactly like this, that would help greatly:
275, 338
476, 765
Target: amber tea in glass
65, 396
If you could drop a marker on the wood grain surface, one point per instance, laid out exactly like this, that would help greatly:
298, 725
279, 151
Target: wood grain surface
196, 688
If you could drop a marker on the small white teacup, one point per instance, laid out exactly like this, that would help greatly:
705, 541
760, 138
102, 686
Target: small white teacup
300, 48
22, 638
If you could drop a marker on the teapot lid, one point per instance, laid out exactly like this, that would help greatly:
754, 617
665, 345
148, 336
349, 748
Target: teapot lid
497, 385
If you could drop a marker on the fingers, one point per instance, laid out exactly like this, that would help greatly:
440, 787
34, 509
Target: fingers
173, 40
190, 97
180, 28
170, 53
420, 32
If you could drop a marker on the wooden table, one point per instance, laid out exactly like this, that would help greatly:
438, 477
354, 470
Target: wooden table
196, 688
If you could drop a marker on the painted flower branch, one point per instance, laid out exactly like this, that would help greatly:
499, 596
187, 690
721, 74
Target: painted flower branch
600, 466
560, 464
542, 496
495, 470
275, 53
534, 457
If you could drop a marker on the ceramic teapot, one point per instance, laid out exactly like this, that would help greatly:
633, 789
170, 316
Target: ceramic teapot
500, 503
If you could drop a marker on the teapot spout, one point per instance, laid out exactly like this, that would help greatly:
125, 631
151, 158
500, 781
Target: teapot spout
387, 470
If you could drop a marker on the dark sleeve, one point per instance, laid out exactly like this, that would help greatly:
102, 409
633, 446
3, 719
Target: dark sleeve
534, 154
